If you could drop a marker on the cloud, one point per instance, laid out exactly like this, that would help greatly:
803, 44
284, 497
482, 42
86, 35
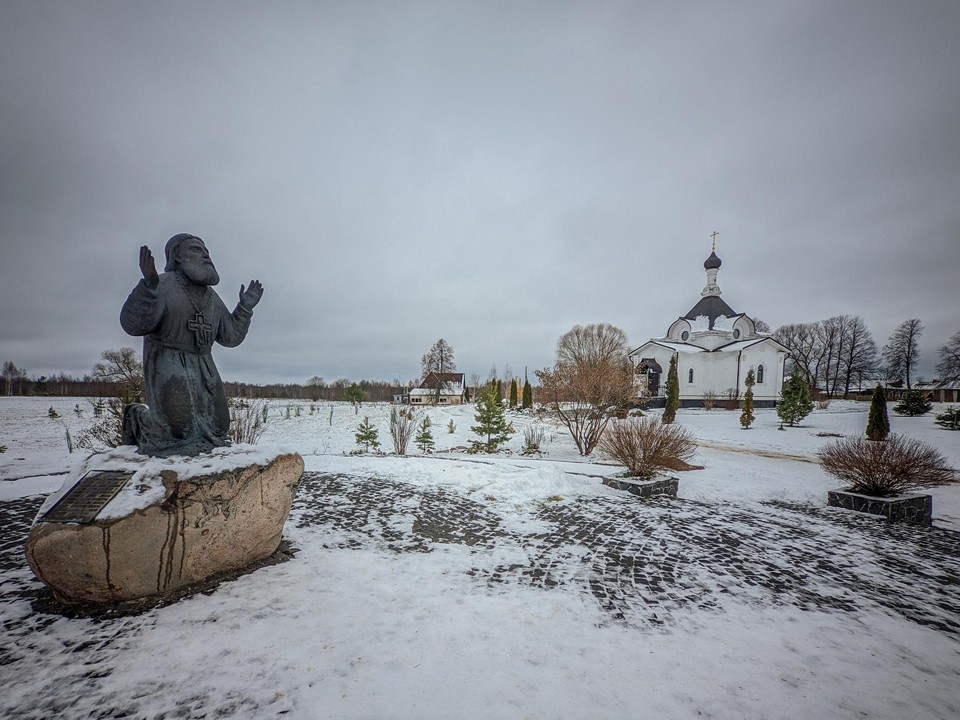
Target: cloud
489, 174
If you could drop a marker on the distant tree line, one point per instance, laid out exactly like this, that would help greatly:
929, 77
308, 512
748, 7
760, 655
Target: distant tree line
120, 373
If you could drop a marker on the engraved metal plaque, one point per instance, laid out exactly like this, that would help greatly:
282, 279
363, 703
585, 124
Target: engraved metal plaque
84, 501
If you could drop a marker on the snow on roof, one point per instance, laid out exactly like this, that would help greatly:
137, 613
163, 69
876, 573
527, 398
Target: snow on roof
701, 323
725, 323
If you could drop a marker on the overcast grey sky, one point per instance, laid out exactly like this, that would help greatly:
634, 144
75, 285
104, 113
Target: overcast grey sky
488, 172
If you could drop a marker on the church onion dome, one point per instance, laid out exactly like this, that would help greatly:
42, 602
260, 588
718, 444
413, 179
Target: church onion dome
712, 262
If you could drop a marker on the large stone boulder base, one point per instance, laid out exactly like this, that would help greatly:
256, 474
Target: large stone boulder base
206, 525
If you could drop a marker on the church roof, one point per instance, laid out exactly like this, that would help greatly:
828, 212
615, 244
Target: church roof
744, 344
711, 306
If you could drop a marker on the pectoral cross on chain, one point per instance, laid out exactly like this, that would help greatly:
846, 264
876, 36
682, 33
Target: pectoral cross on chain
202, 330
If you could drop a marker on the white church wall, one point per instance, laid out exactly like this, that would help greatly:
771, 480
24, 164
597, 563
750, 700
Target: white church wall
772, 360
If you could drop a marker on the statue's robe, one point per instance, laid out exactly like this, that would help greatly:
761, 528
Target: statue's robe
186, 409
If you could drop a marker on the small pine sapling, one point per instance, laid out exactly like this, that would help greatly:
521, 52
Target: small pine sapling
913, 404
492, 426
53, 413
424, 438
672, 403
878, 422
795, 403
949, 418
451, 427
368, 437
746, 413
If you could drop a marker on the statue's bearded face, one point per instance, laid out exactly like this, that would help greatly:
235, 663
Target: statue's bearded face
195, 263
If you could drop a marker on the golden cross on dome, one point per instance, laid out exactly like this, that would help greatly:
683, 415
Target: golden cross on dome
714, 236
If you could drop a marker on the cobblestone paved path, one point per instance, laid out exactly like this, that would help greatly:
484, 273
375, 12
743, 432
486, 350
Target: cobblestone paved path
645, 563
643, 560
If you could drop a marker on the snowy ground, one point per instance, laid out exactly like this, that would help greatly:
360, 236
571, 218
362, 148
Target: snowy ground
454, 585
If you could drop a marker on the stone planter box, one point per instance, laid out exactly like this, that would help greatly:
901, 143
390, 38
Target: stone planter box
644, 487
905, 508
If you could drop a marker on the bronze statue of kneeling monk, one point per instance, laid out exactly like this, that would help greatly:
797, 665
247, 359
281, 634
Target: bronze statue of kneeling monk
180, 316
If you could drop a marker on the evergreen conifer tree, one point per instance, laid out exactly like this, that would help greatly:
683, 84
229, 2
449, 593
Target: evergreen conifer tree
795, 403
673, 393
513, 393
499, 390
746, 413
913, 404
527, 401
367, 435
878, 423
424, 438
949, 419
492, 425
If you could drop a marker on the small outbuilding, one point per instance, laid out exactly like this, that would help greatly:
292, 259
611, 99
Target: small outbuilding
439, 389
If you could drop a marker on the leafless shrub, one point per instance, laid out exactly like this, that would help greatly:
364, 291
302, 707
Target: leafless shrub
403, 424
885, 468
709, 400
107, 429
247, 421
533, 436
732, 400
646, 446
821, 403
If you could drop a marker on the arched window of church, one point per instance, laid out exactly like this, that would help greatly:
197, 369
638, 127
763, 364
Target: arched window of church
690, 375
760, 373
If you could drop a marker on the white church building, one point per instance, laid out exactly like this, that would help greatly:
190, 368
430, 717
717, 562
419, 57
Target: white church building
715, 348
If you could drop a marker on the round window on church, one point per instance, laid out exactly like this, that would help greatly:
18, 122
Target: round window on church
736, 334
684, 336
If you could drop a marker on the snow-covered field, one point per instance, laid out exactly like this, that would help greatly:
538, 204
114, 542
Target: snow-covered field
365, 633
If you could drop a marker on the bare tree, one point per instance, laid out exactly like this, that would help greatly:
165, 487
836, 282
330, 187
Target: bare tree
591, 380
948, 368
805, 345
832, 341
859, 359
588, 344
902, 350
438, 359
315, 387
761, 326
13, 375
122, 366
474, 384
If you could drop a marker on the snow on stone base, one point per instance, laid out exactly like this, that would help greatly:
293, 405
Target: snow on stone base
166, 529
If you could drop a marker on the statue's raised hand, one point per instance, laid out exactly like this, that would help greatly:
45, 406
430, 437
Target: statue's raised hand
148, 267
250, 296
